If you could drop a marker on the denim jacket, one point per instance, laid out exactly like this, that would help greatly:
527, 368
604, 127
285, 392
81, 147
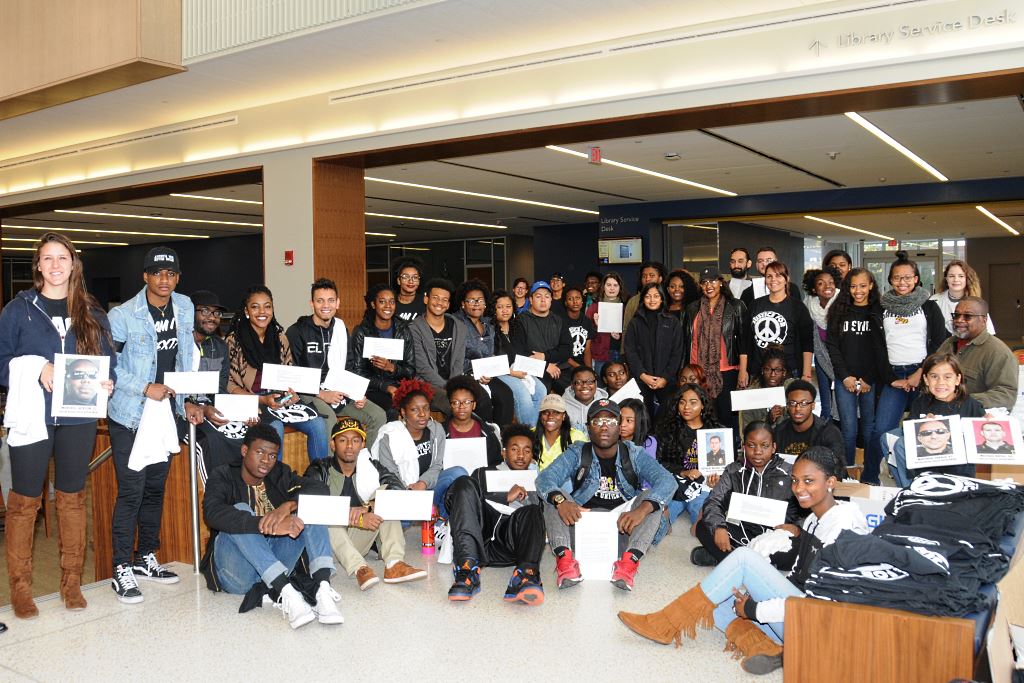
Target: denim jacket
135, 337
560, 473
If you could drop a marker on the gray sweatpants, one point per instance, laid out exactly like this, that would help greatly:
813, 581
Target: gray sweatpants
562, 535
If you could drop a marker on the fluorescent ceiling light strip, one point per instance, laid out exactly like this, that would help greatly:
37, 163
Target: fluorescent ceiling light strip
637, 169
106, 232
437, 220
32, 239
382, 234
27, 249
848, 227
892, 142
216, 199
156, 218
486, 196
997, 219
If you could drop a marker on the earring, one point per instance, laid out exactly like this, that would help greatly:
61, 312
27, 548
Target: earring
830, 490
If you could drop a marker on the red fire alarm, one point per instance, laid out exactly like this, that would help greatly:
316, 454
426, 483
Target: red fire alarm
594, 156
289, 258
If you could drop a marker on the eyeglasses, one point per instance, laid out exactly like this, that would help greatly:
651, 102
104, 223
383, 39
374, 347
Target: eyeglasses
81, 374
604, 422
935, 432
209, 312
475, 302
409, 278
902, 278
774, 371
464, 402
799, 404
967, 316
584, 382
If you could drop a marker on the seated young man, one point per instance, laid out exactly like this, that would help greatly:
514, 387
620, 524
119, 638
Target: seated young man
602, 475
352, 473
800, 429
483, 536
614, 375
255, 537
580, 395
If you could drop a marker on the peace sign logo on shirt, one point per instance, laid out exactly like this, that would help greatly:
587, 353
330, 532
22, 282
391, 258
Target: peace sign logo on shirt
769, 328
939, 485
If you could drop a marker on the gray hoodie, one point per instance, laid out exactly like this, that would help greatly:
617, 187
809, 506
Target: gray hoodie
576, 411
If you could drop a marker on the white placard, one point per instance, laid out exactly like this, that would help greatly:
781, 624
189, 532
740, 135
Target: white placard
531, 366
993, 442
596, 544
237, 407
495, 366
629, 390
760, 288
205, 382
756, 510
325, 510
609, 316
284, 377
709, 460
932, 442
468, 453
77, 391
403, 505
502, 481
349, 383
791, 459
392, 349
750, 399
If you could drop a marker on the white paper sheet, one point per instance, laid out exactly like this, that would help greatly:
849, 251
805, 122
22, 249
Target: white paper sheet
284, 377
392, 349
531, 366
760, 287
206, 382
609, 316
629, 390
403, 505
499, 481
597, 544
749, 399
237, 407
467, 453
349, 383
325, 510
756, 510
495, 366
791, 459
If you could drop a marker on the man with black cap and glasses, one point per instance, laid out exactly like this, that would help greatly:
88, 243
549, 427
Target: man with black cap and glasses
152, 335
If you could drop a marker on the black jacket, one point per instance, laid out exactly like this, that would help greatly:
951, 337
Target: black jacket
388, 479
822, 433
512, 344
309, 343
225, 489
733, 329
774, 482
548, 335
379, 379
654, 345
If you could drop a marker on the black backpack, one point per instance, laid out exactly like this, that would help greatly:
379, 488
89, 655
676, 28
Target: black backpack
587, 459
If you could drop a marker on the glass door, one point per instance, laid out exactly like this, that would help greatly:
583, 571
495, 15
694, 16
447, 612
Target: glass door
928, 262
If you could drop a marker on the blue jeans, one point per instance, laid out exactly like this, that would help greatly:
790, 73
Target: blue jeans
693, 508
892, 403
243, 559
444, 481
527, 404
745, 567
847, 403
825, 393
316, 437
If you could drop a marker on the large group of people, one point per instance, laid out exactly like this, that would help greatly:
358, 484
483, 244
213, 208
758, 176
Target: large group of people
850, 359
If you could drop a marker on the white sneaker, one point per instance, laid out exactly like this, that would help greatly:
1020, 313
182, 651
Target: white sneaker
326, 610
294, 607
443, 541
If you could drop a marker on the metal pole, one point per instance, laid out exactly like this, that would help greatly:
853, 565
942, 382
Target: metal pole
194, 491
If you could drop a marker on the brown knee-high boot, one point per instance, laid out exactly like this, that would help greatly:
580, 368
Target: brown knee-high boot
20, 521
760, 654
71, 523
684, 615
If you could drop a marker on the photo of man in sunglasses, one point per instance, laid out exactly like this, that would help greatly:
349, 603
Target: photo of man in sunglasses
934, 438
81, 383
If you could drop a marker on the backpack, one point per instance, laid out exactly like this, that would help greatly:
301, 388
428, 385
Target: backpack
587, 459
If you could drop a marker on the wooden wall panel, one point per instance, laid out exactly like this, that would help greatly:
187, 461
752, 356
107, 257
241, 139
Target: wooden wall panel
339, 240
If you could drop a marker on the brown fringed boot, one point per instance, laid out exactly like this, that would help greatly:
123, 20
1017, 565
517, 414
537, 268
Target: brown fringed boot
71, 539
682, 615
20, 521
760, 654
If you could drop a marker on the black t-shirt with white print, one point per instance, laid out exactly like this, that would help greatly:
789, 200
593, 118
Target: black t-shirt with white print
608, 495
580, 331
166, 339
57, 309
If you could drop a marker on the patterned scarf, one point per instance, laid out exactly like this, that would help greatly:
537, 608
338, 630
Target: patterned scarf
709, 343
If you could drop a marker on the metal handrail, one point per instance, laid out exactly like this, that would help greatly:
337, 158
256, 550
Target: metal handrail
99, 459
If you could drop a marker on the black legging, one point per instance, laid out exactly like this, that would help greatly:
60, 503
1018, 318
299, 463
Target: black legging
723, 402
70, 446
663, 395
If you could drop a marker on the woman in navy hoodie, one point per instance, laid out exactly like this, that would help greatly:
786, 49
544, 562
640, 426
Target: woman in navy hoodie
56, 316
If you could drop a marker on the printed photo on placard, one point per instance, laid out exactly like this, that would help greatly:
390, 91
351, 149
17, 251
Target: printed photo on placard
714, 450
77, 391
931, 442
993, 442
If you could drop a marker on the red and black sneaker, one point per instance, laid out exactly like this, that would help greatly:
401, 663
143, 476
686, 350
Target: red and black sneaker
467, 582
624, 571
567, 570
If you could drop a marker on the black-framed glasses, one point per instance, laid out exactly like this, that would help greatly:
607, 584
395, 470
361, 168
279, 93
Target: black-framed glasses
902, 278
933, 432
799, 404
458, 403
214, 312
967, 316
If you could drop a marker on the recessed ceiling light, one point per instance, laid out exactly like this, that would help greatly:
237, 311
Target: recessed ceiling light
997, 219
106, 232
437, 220
892, 142
637, 169
481, 194
157, 218
848, 227
216, 199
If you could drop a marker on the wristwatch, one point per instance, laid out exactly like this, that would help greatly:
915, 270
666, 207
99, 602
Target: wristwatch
556, 498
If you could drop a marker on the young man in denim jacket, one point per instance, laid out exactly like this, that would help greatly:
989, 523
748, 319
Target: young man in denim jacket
610, 481
152, 335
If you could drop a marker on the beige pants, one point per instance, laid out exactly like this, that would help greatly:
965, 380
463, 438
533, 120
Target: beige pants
350, 544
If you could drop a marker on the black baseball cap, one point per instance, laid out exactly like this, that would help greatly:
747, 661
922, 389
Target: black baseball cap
603, 405
160, 258
205, 297
710, 273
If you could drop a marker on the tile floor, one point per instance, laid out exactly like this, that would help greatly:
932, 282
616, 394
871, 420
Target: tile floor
391, 632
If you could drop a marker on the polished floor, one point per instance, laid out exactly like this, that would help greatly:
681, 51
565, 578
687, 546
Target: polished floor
406, 632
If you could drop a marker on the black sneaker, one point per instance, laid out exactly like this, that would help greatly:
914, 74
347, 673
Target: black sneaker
124, 584
702, 558
466, 584
148, 569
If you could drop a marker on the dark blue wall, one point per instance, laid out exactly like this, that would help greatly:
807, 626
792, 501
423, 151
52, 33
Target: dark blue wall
568, 249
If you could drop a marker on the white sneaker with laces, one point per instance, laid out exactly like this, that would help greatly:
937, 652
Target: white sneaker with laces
326, 608
443, 541
294, 607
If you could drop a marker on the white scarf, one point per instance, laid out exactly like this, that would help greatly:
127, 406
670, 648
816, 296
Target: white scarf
818, 314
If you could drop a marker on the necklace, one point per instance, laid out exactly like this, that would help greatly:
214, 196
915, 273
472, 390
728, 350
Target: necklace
163, 311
